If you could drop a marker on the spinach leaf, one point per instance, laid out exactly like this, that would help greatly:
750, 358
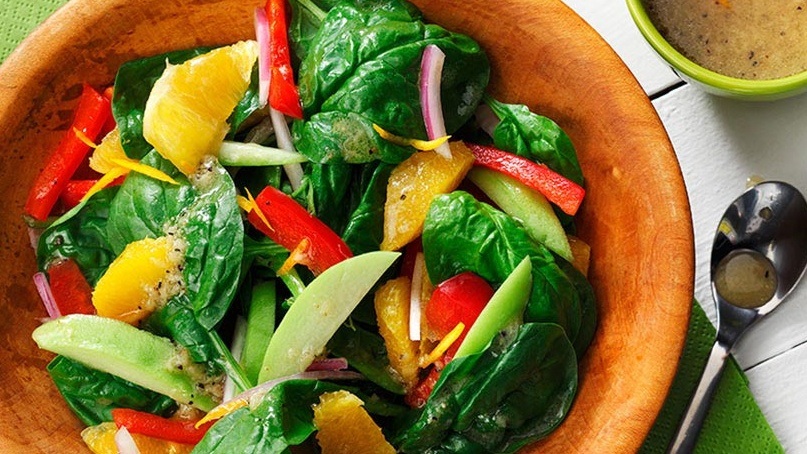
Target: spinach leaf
365, 226
588, 306
306, 18
330, 190
205, 213
92, 394
214, 232
362, 67
144, 206
462, 234
133, 85
177, 321
535, 137
365, 351
81, 234
283, 418
350, 200
248, 105
499, 400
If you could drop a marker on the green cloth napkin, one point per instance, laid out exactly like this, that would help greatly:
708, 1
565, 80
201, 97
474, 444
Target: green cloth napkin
19, 17
734, 424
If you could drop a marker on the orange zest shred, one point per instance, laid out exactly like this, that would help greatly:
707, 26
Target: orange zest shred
83, 137
298, 255
104, 181
244, 203
423, 145
258, 211
130, 164
221, 411
443, 346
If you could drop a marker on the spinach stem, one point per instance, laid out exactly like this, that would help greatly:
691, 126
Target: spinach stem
316, 11
230, 365
294, 283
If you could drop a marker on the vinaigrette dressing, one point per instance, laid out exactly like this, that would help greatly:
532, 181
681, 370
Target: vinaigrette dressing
747, 39
746, 278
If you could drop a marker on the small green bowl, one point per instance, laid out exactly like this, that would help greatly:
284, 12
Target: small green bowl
710, 81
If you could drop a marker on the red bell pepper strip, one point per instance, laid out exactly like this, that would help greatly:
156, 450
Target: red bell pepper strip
283, 93
91, 115
77, 189
558, 189
71, 292
140, 422
74, 191
290, 223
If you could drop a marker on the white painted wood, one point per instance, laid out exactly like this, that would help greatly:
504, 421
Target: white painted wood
612, 20
779, 388
720, 143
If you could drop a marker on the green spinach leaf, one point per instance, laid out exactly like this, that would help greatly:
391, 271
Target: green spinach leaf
499, 400
205, 213
362, 67
462, 234
92, 394
283, 418
81, 234
144, 207
214, 232
365, 351
177, 321
365, 226
536, 137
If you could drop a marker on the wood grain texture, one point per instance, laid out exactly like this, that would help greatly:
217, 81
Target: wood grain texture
636, 215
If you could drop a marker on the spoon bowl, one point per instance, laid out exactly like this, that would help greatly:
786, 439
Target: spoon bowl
758, 256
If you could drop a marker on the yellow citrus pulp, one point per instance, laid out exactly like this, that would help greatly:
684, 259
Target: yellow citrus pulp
186, 113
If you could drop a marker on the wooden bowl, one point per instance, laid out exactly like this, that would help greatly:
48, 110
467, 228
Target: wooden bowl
636, 216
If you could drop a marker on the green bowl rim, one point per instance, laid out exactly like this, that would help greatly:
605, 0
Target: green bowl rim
746, 87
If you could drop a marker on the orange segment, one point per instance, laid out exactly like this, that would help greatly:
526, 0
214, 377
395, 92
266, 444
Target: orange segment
101, 440
392, 312
186, 113
412, 186
139, 279
108, 150
345, 427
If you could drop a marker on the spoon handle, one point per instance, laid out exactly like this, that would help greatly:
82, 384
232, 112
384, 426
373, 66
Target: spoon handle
687, 433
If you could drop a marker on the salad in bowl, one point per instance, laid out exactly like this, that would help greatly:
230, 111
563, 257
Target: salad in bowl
332, 225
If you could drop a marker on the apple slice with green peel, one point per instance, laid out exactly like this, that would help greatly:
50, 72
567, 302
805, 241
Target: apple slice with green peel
120, 349
319, 311
505, 307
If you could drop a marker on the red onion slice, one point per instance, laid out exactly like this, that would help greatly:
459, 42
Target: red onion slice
431, 72
259, 391
328, 364
43, 287
264, 62
414, 297
125, 443
33, 236
487, 119
284, 142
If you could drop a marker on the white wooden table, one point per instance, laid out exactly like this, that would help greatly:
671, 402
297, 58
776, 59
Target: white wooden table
720, 144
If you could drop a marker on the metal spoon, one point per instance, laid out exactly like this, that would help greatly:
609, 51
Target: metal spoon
763, 237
